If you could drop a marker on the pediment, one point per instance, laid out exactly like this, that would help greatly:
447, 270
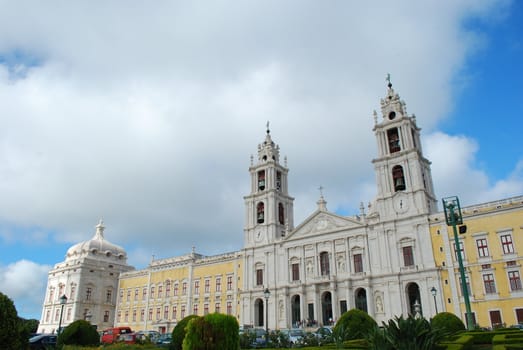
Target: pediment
322, 222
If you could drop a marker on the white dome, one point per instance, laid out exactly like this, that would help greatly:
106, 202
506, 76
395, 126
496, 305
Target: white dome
97, 246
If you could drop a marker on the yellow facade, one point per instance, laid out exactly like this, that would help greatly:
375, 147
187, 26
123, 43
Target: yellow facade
168, 290
493, 244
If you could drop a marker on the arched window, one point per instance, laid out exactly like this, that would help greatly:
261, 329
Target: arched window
324, 264
261, 180
281, 214
394, 140
398, 178
260, 213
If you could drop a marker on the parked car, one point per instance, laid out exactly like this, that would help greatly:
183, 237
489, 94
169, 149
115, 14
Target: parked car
152, 336
128, 338
164, 339
295, 335
111, 335
324, 334
42, 342
519, 326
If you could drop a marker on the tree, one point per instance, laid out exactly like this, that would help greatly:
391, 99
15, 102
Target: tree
11, 336
79, 333
212, 332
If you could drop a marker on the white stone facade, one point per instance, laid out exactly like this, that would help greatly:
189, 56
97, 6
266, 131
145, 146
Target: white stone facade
380, 261
89, 279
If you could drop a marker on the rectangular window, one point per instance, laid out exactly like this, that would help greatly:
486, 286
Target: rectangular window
144, 293
358, 263
462, 253
229, 282
205, 309
160, 291
207, 286
142, 315
295, 272
166, 312
495, 319
126, 317
482, 245
174, 313
488, 282
519, 315
109, 296
69, 310
72, 295
343, 306
175, 289
136, 294
196, 287
184, 288
151, 314
218, 284
229, 308
158, 311
168, 289
195, 309
152, 292
515, 280
56, 315
89, 293
182, 312
217, 307
106, 316
259, 277
324, 264
408, 257
506, 243
134, 315
468, 286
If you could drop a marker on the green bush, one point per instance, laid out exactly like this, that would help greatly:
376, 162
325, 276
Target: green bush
11, 330
353, 324
79, 333
212, 332
179, 333
447, 322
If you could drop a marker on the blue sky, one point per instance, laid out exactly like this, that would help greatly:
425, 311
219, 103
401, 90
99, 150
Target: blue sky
147, 116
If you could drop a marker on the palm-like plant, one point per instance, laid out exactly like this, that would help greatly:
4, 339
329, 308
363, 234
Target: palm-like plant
409, 333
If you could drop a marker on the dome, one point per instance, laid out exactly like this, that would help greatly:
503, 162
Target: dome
97, 247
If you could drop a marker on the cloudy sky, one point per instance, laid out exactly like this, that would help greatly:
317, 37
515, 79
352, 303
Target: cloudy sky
146, 114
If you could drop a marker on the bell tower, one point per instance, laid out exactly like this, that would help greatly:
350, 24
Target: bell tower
269, 208
403, 175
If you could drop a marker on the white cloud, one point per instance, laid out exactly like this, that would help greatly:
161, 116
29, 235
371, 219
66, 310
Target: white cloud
455, 171
24, 282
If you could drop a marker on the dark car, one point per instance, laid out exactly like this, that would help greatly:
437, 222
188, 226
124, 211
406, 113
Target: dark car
42, 342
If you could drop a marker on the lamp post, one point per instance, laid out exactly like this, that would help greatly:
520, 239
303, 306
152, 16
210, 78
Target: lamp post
433, 291
63, 300
454, 217
266, 294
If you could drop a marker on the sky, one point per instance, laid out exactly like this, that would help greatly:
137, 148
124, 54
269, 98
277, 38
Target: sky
146, 114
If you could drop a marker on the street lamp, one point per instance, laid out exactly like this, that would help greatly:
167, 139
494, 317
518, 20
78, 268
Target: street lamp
266, 294
63, 300
433, 290
453, 217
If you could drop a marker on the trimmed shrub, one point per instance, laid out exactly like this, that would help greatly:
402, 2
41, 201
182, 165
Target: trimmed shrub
447, 322
79, 333
353, 324
179, 333
212, 332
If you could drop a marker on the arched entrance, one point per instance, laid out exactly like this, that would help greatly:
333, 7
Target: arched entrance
414, 299
326, 308
295, 310
259, 313
361, 299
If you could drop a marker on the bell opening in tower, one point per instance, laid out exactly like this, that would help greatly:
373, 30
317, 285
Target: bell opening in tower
394, 140
398, 178
261, 180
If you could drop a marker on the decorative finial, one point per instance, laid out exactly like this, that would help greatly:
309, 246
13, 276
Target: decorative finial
268, 131
375, 117
388, 80
321, 191
100, 229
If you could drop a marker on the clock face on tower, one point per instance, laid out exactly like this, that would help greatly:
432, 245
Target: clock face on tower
401, 203
258, 236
